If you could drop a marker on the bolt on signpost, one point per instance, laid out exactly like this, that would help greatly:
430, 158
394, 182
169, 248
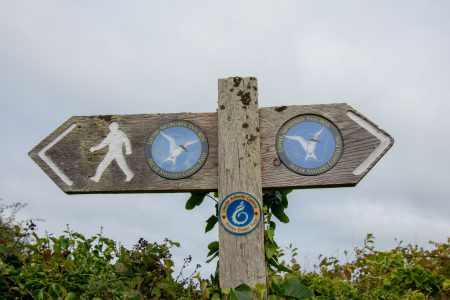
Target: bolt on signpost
237, 151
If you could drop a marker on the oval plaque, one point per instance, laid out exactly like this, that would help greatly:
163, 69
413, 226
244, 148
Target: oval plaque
239, 213
176, 150
309, 144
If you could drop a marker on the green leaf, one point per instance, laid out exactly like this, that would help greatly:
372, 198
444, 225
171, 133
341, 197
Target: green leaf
212, 258
213, 247
38, 295
213, 251
279, 267
278, 212
272, 297
169, 263
210, 223
275, 286
284, 199
56, 289
273, 225
157, 292
242, 292
260, 290
226, 291
195, 200
271, 249
419, 276
215, 297
295, 289
270, 234
286, 192
71, 296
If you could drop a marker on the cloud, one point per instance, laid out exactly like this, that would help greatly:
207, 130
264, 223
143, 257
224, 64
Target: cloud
389, 60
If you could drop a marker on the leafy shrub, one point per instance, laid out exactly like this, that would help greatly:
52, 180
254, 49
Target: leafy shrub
73, 266
405, 271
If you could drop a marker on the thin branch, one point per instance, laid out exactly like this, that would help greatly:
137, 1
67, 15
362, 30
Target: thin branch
212, 198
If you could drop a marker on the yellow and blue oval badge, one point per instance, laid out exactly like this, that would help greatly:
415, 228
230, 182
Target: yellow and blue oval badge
239, 213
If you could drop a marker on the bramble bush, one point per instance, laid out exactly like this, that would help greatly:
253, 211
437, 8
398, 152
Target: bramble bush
73, 266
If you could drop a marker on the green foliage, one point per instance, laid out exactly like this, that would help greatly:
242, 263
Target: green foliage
196, 199
295, 289
213, 251
405, 272
73, 266
242, 292
210, 223
276, 202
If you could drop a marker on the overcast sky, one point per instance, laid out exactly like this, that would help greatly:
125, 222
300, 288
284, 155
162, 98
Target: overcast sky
390, 60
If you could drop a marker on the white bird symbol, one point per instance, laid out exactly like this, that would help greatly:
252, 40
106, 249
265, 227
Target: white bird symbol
174, 149
308, 146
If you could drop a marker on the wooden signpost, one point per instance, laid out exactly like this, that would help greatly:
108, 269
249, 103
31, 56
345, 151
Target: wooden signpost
237, 151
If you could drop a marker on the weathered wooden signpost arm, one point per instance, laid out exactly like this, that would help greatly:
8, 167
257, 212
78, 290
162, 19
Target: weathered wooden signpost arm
361, 139
242, 257
66, 157
238, 151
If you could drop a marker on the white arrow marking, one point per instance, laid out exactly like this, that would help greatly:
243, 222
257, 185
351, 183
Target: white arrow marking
384, 139
49, 162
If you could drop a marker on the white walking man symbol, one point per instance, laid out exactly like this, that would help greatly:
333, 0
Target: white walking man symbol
115, 141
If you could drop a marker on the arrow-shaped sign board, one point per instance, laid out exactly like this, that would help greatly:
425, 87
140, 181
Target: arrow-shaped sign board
237, 151
301, 147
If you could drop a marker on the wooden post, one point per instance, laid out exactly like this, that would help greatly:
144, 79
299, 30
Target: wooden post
242, 259
238, 153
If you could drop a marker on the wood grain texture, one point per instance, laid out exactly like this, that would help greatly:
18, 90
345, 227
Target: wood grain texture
242, 257
358, 144
71, 154
73, 157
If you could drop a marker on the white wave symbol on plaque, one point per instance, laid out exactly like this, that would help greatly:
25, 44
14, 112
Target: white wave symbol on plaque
238, 213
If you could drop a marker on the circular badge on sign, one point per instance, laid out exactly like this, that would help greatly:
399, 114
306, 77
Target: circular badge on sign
176, 150
240, 213
309, 144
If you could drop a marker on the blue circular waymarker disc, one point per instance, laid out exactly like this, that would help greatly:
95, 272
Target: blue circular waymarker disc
240, 213
309, 144
176, 150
